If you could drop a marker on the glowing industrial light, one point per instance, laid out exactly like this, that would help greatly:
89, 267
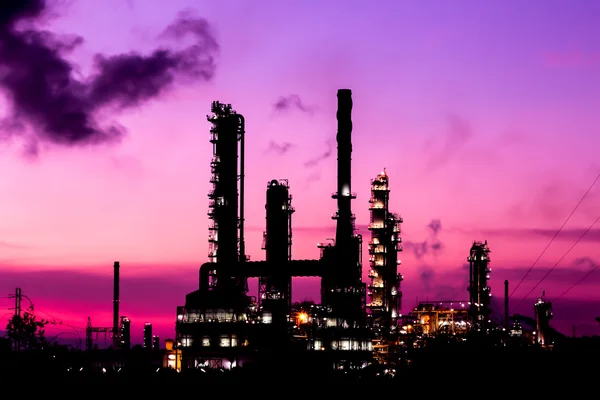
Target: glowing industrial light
345, 190
302, 318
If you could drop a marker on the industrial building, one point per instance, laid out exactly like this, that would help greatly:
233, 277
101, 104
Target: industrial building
354, 325
543, 315
148, 339
220, 324
479, 291
385, 297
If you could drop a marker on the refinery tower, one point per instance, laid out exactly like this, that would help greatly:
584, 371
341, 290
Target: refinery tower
384, 288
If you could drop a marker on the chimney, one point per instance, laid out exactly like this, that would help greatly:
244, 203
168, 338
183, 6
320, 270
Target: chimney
345, 227
116, 305
506, 318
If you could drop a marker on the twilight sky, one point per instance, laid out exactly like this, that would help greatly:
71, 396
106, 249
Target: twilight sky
484, 116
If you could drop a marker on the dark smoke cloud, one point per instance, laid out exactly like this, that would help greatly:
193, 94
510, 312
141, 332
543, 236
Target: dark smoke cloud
585, 263
330, 146
279, 148
427, 276
286, 103
45, 95
432, 245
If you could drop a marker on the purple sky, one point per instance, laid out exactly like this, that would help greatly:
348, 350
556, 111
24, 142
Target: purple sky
484, 116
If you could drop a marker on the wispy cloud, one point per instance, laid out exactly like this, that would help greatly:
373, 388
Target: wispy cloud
279, 148
329, 150
431, 245
292, 102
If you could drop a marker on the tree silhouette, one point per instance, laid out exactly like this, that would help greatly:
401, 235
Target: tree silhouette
26, 332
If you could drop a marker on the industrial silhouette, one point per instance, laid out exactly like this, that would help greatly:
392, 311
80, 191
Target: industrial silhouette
356, 327
220, 326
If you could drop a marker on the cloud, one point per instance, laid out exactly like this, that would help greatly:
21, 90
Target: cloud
329, 148
432, 245
292, 101
427, 276
44, 94
279, 148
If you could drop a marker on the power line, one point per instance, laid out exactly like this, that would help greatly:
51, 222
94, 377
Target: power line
578, 282
555, 235
59, 321
558, 262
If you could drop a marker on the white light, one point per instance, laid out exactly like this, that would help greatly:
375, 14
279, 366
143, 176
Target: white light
345, 190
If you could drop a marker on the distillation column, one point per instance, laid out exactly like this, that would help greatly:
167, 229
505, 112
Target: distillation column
342, 289
226, 236
479, 291
275, 292
384, 289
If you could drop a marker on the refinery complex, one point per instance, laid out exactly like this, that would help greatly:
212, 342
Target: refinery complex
356, 325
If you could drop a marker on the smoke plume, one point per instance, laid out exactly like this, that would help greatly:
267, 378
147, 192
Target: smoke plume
279, 148
330, 147
427, 276
432, 245
585, 263
286, 103
59, 108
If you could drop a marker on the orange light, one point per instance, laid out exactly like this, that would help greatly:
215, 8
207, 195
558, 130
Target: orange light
302, 318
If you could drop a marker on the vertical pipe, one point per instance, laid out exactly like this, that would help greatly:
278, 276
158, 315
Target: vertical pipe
344, 229
471, 290
18, 297
116, 304
242, 194
506, 305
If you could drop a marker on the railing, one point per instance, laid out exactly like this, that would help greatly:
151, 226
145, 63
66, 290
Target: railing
335, 195
385, 188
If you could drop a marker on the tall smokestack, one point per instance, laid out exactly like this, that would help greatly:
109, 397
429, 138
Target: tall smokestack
342, 289
506, 305
345, 226
116, 305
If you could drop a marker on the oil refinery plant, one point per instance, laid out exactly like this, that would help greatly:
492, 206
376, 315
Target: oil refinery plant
357, 329
355, 324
